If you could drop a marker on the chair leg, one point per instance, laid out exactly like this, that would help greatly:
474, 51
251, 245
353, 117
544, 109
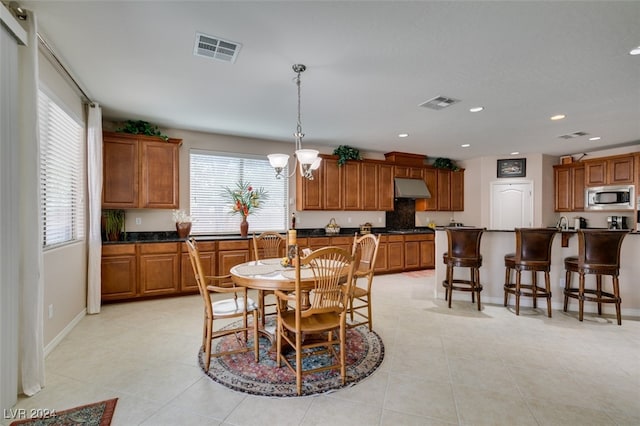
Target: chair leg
369, 312
207, 345
477, 285
472, 277
547, 286
616, 293
567, 286
507, 281
299, 363
449, 284
581, 297
518, 278
599, 292
256, 338
534, 288
343, 353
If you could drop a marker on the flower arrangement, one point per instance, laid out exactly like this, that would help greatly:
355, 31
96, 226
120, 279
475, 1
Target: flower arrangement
180, 216
245, 198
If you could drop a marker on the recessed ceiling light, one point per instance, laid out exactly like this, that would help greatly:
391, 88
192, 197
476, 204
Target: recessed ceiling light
595, 138
635, 51
476, 109
403, 135
465, 145
515, 153
558, 117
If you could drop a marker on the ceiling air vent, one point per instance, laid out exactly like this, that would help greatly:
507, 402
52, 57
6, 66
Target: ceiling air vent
438, 103
216, 48
573, 135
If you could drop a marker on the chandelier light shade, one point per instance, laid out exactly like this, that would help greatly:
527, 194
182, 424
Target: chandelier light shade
307, 158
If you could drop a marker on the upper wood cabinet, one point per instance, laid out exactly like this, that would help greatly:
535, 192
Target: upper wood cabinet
444, 189
569, 182
457, 190
352, 188
376, 180
430, 176
613, 170
140, 172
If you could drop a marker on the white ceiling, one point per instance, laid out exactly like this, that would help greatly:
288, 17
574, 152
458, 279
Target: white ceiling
369, 66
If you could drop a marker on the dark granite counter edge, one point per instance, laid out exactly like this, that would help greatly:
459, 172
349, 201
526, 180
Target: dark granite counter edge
172, 236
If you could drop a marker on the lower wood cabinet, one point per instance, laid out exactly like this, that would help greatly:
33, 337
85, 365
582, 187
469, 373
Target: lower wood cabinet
119, 272
232, 253
395, 253
159, 269
207, 251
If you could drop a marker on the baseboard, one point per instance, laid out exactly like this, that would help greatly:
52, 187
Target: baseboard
56, 340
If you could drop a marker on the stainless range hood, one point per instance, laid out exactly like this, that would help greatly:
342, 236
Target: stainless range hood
411, 188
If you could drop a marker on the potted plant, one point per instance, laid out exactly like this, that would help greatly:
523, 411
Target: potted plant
345, 152
245, 199
141, 128
183, 223
445, 163
113, 224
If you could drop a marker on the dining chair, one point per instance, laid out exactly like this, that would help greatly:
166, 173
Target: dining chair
238, 306
366, 246
268, 245
323, 315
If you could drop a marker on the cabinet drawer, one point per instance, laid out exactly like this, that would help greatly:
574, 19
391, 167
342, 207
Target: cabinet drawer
118, 249
233, 245
203, 246
340, 241
395, 238
422, 237
153, 248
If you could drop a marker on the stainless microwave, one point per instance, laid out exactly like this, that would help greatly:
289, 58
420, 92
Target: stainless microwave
610, 198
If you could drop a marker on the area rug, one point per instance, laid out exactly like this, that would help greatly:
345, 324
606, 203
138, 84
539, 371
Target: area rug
96, 414
365, 352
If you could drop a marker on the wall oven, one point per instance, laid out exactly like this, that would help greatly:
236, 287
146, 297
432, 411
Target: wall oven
610, 198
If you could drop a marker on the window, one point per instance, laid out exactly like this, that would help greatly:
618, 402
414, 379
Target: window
61, 175
211, 206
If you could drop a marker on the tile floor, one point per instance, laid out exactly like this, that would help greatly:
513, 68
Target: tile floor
442, 367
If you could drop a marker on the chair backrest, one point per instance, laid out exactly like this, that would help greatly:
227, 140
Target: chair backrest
600, 247
366, 246
464, 242
534, 244
194, 257
269, 245
332, 269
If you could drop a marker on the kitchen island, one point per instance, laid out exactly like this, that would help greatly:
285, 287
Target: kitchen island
495, 244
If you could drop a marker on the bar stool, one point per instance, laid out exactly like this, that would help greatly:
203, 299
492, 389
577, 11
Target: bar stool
598, 254
463, 252
533, 253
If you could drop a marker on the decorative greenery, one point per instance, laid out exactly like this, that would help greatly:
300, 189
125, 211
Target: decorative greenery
141, 128
245, 198
345, 152
445, 163
113, 221
180, 216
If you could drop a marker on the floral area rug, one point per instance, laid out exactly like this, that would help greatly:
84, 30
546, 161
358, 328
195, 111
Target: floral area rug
96, 414
365, 352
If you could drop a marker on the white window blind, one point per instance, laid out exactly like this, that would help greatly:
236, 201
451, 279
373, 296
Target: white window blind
61, 175
211, 205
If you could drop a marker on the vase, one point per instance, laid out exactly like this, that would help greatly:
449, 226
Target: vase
244, 227
183, 228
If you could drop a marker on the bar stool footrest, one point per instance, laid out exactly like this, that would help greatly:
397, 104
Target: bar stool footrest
540, 291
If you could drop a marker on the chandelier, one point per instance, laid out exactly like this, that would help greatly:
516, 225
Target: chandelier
307, 158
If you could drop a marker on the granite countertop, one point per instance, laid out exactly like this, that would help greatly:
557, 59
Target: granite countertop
172, 236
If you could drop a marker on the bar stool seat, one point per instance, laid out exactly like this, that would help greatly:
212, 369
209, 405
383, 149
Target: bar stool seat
598, 254
463, 252
533, 253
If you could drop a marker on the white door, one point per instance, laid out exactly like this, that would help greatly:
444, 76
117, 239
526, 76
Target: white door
511, 205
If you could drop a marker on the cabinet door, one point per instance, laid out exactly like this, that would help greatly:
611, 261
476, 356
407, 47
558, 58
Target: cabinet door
119, 173
159, 175
332, 197
159, 268
118, 272
381, 259
229, 258
308, 192
352, 186
370, 186
427, 254
457, 191
444, 190
207, 259
318, 242
412, 255
343, 242
563, 189
577, 180
385, 187
620, 170
595, 172
395, 253
430, 177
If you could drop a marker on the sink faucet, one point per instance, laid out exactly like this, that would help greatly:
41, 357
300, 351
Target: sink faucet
563, 223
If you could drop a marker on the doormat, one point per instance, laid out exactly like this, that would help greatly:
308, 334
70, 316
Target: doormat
96, 414
240, 372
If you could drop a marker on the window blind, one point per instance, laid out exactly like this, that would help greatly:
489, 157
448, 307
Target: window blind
61, 174
211, 206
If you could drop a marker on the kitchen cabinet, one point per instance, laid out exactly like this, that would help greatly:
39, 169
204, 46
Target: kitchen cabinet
569, 182
408, 172
230, 254
140, 172
352, 187
419, 251
430, 177
333, 185
395, 253
119, 272
444, 190
411, 252
342, 242
385, 188
381, 259
457, 190
376, 186
427, 252
615, 170
207, 250
159, 268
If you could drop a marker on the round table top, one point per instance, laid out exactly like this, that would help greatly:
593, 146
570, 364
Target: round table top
269, 274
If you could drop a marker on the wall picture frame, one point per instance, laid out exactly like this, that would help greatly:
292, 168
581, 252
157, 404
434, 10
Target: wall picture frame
512, 167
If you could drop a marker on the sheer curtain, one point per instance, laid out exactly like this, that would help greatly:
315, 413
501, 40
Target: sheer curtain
94, 179
31, 262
